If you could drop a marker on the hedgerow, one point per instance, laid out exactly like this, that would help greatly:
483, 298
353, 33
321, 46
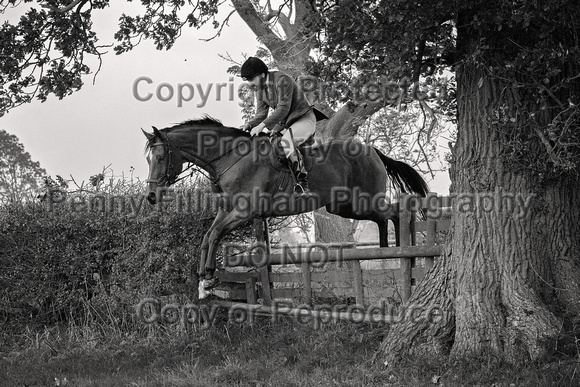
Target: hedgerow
58, 258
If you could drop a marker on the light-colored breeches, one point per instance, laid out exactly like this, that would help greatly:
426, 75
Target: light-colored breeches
301, 130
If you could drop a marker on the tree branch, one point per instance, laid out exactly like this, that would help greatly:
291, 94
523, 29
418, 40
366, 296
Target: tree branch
419, 60
65, 9
250, 16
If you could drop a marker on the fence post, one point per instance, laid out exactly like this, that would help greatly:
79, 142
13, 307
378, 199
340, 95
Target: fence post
251, 291
307, 280
358, 283
405, 235
262, 236
431, 227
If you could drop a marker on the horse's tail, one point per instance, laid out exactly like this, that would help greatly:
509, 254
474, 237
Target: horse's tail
403, 176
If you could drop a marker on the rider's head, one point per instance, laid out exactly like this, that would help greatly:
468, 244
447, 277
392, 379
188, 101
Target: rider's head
253, 70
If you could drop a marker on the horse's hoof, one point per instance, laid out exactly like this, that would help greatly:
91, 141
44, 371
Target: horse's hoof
202, 292
211, 283
206, 286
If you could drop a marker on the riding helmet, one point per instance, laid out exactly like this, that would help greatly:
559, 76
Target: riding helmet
252, 67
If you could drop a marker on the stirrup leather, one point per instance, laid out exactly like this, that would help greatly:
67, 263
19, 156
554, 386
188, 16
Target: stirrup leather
299, 173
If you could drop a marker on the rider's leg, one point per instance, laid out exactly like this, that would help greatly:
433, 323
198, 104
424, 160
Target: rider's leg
297, 166
300, 131
303, 128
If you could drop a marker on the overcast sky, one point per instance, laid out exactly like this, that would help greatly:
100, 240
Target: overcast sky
100, 125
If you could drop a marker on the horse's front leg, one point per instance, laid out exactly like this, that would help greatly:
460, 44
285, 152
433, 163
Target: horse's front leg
231, 221
221, 214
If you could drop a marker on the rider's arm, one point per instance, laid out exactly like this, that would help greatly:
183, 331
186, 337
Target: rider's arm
285, 89
261, 112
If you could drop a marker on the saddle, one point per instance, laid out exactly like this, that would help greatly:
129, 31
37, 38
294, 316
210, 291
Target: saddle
278, 158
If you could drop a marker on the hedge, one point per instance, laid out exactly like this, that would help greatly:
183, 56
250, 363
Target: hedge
56, 257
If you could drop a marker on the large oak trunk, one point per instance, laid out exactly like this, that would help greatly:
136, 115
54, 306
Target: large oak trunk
510, 274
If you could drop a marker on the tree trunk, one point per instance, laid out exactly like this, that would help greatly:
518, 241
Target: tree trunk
510, 274
330, 228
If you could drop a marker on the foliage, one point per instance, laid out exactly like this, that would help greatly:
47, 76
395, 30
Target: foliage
421, 35
542, 64
54, 261
102, 245
163, 21
529, 46
52, 46
45, 52
404, 136
19, 175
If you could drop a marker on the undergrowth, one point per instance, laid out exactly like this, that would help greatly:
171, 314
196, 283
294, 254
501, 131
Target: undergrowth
284, 352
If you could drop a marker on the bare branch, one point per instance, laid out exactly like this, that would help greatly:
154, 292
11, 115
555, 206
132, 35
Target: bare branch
222, 25
425, 107
248, 13
65, 9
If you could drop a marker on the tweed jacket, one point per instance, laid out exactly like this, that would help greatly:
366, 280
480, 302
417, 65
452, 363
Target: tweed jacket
281, 93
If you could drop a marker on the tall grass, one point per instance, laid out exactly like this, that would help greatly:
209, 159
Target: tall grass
265, 353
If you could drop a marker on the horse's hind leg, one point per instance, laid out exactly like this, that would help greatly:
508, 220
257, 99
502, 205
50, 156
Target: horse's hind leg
383, 233
397, 224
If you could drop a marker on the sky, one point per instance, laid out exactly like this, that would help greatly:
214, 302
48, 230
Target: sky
99, 126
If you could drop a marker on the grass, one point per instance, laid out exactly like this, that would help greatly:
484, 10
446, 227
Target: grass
266, 353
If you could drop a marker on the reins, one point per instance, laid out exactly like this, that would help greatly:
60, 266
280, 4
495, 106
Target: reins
200, 168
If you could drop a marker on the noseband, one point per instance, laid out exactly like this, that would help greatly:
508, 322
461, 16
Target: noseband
170, 168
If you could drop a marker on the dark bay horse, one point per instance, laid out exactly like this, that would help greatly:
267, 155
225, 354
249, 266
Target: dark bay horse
346, 177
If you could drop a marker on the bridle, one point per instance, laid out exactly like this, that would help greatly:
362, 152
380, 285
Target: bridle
170, 168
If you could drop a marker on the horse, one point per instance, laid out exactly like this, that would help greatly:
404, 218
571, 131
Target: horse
347, 177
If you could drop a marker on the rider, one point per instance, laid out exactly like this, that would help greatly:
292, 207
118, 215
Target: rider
292, 114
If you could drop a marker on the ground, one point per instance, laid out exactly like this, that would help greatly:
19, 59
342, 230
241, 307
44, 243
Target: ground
268, 353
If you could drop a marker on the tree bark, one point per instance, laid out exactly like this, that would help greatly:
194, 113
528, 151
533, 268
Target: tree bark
291, 52
509, 277
331, 228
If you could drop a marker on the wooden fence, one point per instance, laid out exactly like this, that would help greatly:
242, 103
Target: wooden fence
420, 243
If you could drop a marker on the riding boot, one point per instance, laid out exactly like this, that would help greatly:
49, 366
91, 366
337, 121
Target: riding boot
300, 173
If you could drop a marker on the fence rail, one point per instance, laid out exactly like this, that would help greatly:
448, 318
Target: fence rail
243, 285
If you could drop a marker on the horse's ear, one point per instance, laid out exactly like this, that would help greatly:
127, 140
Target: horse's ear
148, 135
156, 132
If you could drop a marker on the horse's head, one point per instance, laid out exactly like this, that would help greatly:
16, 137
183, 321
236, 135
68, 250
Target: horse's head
165, 163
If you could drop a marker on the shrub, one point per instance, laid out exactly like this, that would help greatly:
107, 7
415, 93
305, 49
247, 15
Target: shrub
56, 257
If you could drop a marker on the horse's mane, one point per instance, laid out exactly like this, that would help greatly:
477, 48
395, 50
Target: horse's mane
204, 122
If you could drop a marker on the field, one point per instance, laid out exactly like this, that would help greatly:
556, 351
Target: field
266, 353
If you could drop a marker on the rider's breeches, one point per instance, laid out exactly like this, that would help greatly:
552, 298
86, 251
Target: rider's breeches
301, 130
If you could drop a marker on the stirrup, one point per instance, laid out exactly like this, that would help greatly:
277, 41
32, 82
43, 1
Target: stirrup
302, 189
301, 185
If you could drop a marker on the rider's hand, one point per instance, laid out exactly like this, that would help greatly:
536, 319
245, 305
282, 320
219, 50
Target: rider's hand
256, 130
246, 127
